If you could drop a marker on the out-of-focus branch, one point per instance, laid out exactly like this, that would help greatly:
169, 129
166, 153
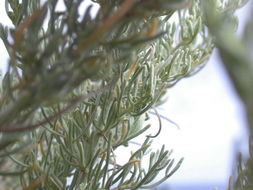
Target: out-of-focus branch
236, 56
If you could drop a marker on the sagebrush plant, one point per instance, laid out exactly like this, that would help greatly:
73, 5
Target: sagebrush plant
77, 88
236, 54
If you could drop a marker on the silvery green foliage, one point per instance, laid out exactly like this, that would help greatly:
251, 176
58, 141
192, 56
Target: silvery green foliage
78, 88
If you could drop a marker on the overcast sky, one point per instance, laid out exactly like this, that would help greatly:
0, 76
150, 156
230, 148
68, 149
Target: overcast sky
210, 117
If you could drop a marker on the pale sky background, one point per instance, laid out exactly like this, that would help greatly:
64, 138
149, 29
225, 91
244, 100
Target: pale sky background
210, 117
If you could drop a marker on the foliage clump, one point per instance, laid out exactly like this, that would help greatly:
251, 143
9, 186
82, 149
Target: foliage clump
77, 88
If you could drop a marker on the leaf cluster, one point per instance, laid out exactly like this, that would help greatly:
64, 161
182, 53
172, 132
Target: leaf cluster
77, 88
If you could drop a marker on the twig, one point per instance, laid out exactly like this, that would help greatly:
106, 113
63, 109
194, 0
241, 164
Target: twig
160, 124
107, 25
73, 103
159, 116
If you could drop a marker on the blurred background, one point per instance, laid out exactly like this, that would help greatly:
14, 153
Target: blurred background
210, 117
